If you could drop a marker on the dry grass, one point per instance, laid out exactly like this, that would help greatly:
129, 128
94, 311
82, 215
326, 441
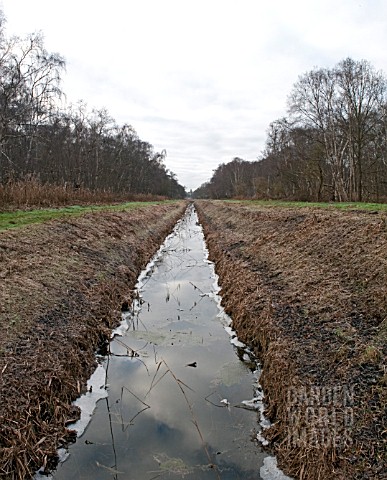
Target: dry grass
63, 284
31, 192
308, 289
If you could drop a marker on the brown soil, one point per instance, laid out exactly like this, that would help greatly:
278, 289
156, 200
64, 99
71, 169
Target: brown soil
307, 288
62, 287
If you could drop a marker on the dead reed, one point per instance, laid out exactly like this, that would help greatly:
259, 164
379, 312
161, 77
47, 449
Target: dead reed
32, 193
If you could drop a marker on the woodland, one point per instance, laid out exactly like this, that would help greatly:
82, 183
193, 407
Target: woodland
44, 141
331, 145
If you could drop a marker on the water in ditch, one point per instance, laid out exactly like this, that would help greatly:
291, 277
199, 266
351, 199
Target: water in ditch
178, 394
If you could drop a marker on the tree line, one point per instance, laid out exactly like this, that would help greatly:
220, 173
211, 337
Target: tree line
69, 146
331, 146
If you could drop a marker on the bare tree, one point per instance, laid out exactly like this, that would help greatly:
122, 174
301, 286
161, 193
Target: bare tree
29, 89
314, 104
363, 94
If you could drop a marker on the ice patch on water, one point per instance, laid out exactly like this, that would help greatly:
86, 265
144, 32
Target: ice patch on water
270, 471
222, 315
246, 357
123, 327
62, 456
88, 401
262, 440
251, 404
237, 343
255, 403
230, 331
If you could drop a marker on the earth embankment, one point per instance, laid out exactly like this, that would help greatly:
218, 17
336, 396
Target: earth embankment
307, 289
62, 287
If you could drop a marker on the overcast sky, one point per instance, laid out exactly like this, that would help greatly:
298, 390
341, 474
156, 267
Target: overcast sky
201, 79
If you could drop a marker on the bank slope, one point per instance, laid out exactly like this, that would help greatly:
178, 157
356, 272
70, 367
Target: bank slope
62, 287
307, 288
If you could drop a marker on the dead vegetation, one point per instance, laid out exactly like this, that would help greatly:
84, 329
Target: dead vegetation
63, 284
31, 192
308, 290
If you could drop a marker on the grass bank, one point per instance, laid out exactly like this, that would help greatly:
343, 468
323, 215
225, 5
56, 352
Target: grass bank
63, 284
307, 289
374, 207
20, 218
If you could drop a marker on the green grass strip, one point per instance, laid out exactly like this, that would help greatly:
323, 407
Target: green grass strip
339, 205
20, 218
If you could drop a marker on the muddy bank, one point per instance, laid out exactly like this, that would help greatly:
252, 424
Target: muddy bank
63, 284
308, 290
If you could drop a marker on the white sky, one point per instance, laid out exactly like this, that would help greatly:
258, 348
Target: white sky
202, 79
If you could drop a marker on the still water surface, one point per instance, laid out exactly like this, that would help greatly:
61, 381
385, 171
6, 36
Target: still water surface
175, 381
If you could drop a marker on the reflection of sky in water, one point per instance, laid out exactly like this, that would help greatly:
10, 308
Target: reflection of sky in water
164, 418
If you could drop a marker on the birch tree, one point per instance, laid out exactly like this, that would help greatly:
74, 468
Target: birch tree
362, 91
314, 104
